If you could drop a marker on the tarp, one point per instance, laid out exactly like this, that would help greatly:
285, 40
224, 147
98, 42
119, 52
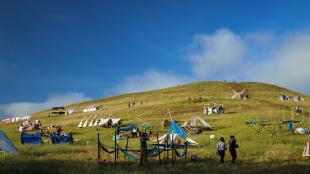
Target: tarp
5, 144
62, 138
129, 128
30, 138
175, 133
301, 130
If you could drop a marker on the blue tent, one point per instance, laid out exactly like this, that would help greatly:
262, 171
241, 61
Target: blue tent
129, 128
61, 138
176, 129
31, 138
5, 144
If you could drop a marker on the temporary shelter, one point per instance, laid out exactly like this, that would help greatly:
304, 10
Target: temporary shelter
175, 134
196, 122
301, 130
90, 123
116, 121
239, 95
6, 145
92, 108
31, 138
105, 122
85, 123
80, 124
307, 147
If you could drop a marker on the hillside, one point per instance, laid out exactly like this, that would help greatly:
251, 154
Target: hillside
261, 153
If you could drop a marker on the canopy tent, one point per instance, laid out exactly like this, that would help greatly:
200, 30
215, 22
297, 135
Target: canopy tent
31, 138
307, 148
197, 122
175, 134
5, 144
116, 121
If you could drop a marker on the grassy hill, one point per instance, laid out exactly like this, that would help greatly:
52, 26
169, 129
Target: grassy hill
260, 153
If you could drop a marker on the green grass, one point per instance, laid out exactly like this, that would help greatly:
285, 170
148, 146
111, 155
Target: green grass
259, 153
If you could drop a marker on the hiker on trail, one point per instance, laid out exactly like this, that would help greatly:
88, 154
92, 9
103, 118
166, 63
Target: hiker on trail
129, 105
143, 148
221, 148
232, 148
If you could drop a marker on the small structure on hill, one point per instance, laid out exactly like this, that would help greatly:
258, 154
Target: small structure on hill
242, 95
166, 122
58, 110
291, 98
196, 124
92, 108
213, 108
70, 111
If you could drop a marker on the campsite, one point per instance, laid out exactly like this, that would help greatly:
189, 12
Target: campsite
259, 152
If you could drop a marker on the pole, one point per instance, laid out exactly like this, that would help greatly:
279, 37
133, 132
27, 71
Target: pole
126, 146
98, 148
167, 150
185, 150
158, 148
115, 155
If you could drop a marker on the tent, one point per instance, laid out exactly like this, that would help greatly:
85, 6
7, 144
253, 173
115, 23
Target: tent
56, 139
239, 95
92, 108
31, 138
175, 134
105, 122
116, 121
129, 128
5, 144
85, 123
96, 122
80, 124
196, 122
90, 123
307, 148
301, 130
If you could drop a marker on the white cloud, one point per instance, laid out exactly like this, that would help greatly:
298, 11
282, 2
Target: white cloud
213, 54
149, 80
21, 108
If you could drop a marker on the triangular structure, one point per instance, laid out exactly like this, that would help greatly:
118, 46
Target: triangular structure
116, 121
239, 95
96, 122
175, 134
197, 122
90, 123
5, 144
105, 122
80, 124
85, 123
307, 148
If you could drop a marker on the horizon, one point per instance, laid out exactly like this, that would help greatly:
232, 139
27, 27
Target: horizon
62, 52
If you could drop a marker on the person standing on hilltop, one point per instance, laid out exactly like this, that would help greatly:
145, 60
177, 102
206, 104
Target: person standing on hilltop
232, 148
221, 148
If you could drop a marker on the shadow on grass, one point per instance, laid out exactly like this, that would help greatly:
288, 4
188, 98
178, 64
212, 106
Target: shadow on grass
13, 165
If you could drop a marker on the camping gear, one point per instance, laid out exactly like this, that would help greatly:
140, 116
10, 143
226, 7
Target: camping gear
5, 144
301, 130
31, 138
60, 139
307, 148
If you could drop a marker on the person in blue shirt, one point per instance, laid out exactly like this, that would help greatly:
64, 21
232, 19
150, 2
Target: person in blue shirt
221, 147
143, 148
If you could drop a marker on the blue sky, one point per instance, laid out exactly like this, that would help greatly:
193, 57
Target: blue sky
57, 52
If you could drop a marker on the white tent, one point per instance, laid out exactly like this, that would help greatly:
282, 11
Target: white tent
301, 130
196, 122
116, 121
80, 124
90, 123
85, 123
104, 121
307, 148
96, 122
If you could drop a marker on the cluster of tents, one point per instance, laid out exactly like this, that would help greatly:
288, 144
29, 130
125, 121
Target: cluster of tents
16, 119
213, 108
93, 121
291, 98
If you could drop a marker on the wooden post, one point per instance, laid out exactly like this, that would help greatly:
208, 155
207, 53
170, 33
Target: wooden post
115, 153
126, 146
98, 148
186, 150
158, 148
167, 150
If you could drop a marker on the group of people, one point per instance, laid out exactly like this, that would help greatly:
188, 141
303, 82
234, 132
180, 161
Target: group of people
221, 147
197, 100
132, 104
30, 125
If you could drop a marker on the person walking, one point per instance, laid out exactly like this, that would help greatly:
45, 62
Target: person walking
143, 148
221, 148
232, 148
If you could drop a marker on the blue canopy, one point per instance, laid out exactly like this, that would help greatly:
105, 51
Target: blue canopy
176, 129
31, 138
129, 128
5, 144
62, 138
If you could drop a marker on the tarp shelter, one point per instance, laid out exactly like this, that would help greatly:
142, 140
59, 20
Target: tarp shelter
30, 138
307, 148
56, 139
175, 134
5, 144
129, 128
197, 122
